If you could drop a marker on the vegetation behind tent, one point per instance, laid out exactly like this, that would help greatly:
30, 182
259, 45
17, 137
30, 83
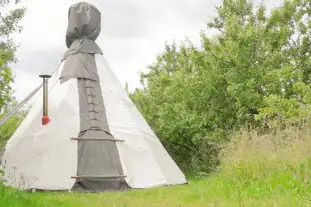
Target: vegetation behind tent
255, 73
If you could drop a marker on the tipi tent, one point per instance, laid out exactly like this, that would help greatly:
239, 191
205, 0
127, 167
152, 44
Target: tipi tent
96, 139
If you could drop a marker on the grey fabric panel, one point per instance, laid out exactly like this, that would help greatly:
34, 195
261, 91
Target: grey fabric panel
99, 185
92, 109
84, 22
84, 26
81, 65
96, 157
83, 46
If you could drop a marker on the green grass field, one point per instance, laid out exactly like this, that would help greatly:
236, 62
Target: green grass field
255, 171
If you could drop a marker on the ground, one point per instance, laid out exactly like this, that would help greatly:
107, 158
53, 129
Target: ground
241, 187
272, 170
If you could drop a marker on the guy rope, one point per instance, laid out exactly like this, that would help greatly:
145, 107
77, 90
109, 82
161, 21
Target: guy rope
21, 104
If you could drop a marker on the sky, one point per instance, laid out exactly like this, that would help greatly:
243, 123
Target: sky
133, 34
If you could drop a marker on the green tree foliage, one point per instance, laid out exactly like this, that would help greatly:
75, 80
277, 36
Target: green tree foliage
257, 69
9, 24
9, 127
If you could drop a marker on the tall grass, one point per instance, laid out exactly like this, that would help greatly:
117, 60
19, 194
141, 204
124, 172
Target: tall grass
281, 150
272, 165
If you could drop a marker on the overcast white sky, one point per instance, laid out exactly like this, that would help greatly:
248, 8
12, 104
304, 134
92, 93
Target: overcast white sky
133, 33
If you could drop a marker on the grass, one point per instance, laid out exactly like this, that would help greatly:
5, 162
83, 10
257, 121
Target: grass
272, 170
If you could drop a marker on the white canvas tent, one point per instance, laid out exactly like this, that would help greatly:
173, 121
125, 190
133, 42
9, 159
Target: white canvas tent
96, 140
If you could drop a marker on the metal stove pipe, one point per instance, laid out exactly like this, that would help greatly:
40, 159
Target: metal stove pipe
45, 118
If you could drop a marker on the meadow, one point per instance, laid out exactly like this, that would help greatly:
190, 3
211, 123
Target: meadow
256, 170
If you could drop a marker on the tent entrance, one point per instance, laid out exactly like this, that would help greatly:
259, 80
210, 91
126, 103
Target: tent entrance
99, 168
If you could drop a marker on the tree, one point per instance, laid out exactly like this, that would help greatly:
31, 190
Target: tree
9, 24
255, 70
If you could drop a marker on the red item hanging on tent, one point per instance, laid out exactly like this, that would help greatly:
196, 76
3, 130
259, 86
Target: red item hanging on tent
45, 120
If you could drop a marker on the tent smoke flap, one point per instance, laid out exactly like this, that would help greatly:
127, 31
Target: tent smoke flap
98, 140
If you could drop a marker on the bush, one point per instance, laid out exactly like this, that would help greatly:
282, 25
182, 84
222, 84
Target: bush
9, 127
254, 72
